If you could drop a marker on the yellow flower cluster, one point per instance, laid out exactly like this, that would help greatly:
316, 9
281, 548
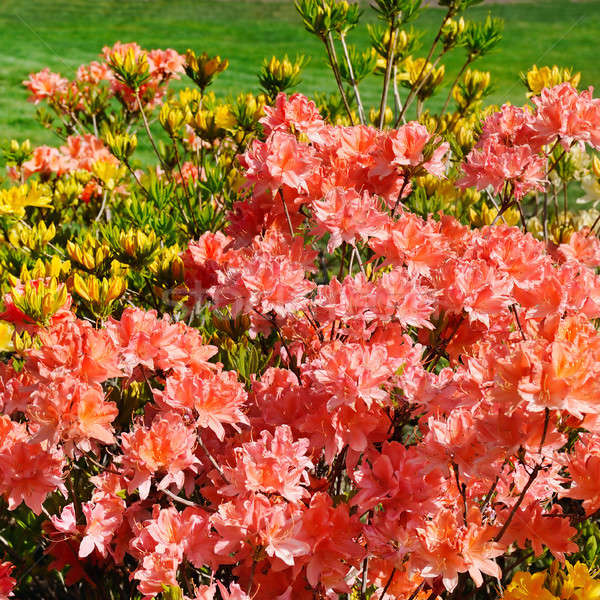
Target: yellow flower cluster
6, 335
574, 582
14, 200
202, 68
472, 89
487, 216
40, 300
536, 79
417, 71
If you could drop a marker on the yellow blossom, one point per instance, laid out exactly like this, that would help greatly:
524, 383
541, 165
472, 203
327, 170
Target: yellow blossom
487, 216
536, 79
6, 334
13, 201
525, 586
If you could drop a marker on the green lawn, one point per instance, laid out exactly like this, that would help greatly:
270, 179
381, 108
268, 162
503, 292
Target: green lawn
62, 35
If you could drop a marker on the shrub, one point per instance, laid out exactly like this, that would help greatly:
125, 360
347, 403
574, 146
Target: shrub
301, 356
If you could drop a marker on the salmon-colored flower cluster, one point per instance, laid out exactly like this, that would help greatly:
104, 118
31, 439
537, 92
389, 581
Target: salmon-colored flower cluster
79, 153
346, 397
162, 65
512, 152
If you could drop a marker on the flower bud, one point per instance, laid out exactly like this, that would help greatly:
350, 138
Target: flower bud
203, 69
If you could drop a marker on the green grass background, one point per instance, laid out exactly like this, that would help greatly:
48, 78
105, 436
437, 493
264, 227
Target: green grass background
62, 35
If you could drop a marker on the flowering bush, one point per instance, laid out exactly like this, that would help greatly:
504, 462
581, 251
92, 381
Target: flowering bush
301, 356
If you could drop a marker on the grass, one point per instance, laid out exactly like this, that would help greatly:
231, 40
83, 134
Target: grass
63, 34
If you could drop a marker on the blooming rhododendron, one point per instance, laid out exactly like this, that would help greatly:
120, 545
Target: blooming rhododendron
275, 366
45, 84
347, 217
273, 465
166, 447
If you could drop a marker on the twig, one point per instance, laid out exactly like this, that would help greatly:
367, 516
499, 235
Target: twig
419, 84
398, 200
287, 214
328, 41
521, 560
360, 262
343, 260
456, 80
513, 309
147, 127
391, 49
212, 460
490, 493
273, 322
137, 179
79, 516
545, 431
493, 201
439, 349
354, 83
179, 499
593, 226
31, 567
522, 215
555, 164
412, 92
462, 490
518, 503
363, 583
545, 216
397, 100
103, 206
389, 582
502, 210
95, 462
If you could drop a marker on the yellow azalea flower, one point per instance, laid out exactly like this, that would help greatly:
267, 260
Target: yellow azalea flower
426, 73
40, 300
472, 88
41, 270
525, 586
6, 333
212, 124
595, 166
109, 173
99, 295
173, 117
89, 254
278, 75
13, 201
224, 117
388, 116
34, 238
122, 145
536, 79
486, 216
167, 266
131, 68
283, 69
554, 584
411, 69
202, 68
190, 97
579, 584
